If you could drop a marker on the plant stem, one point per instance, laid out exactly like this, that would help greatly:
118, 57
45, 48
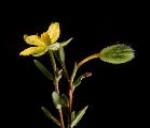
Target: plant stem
89, 58
56, 84
70, 98
61, 118
60, 110
71, 89
66, 72
53, 62
70, 93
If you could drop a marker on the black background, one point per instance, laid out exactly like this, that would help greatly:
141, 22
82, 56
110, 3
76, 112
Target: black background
117, 94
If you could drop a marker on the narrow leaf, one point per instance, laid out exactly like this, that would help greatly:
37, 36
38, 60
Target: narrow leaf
50, 116
64, 100
73, 115
79, 79
62, 55
43, 69
77, 82
78, 117
53, 62
59, 74
56, 100
74, 72
65, 43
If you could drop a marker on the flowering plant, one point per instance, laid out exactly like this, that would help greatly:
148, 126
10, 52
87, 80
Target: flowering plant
47, 43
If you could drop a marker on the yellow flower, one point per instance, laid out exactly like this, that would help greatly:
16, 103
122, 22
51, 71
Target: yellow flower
41, 44
54, 32
38, 48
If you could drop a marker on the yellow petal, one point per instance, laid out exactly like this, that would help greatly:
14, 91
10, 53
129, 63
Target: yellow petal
32, 50
33, 40
54, 32
45, 38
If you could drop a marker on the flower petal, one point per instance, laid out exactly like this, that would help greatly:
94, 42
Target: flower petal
54, 32
34, 40
32, 51
40, 54
45, 38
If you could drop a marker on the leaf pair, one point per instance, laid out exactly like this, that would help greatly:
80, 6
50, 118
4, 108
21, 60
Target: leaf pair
76, 117
59, 100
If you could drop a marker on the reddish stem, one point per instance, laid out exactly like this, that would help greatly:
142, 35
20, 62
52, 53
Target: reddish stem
60, 110
70, 99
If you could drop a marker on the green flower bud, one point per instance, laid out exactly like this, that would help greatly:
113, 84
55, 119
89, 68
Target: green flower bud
117, 54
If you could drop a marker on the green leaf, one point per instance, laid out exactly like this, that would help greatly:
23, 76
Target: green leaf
53, 62
78, 117
62, 55
43, 69
59, 100
78, 81
50, 116
59, 74
65, 43
117, 54
56, 100
74, 72
73, 116
64, 100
